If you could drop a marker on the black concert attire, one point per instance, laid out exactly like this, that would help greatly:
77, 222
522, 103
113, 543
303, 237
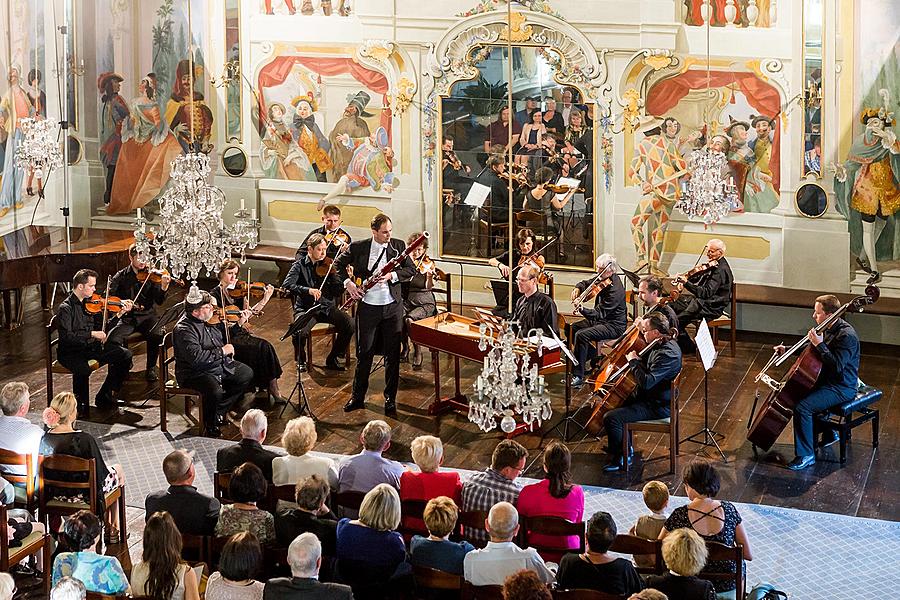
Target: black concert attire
193, 512
455, 179
498, 200
418, 299
77, 347
606, 321
201, 365
231, 457
666, 311
501, 297
618, 577
839, 352
653, 373
255, 352
710, 295
555, 124
300, 279
142, 317
537, 311
332, 249
379, 314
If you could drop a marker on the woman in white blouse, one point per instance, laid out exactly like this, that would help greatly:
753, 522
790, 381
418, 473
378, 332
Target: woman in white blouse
298, 439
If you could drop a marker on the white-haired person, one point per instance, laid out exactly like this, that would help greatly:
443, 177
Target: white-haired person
429, 481
305, 559
68, 588
63, 438
685, 553
298, 439
254, 427
17, 433
437, 551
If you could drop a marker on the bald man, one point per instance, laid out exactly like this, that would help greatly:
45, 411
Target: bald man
706, 295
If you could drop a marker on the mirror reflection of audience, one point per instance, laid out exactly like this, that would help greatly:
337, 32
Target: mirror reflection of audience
552, 119
524, 116
499, 131
532, 133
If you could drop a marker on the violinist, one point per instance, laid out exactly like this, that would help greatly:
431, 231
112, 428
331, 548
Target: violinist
650, 291
310, 287
418, 299
709, 293
521, 253
653, 373
335, 235
534, 309
606, 321
543, 200
142, 317
255, 352
498, 200
456, 175
547, 155
81, 340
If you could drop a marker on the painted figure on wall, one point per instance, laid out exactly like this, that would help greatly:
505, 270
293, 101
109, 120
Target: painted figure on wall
288, 3
280, 157
113, 113
739, 154
14, 107
351, 124
191, 120
759, 194
370, 166
38, 100
309, 137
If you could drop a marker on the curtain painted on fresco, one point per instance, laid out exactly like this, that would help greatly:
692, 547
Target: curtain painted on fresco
760, 95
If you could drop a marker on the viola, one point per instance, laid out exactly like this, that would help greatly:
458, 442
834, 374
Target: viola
257, 289
324, 266
537, 261
592, 290
426, 266
156, 275
96, 304
679, 280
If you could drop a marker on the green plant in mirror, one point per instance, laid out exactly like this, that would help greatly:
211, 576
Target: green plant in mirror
485, 98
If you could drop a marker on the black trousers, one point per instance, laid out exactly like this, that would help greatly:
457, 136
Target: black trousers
114, 355
145, 324
584, 335
218, 396
635, 410
110, 175
688, 310
333, 315
372, 323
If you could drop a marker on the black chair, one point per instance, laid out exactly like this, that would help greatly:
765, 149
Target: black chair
630, 544
840, 419
481, 592
720, 552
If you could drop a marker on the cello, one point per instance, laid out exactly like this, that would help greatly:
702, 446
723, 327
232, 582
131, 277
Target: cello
798, 383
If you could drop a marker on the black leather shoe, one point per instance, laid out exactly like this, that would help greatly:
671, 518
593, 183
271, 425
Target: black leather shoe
390, 406
801, 462
354, 404
331, 364
104, 401
212, 431
830, 437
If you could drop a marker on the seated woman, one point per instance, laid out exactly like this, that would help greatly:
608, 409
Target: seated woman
418, 299
299, 438
98, 573
429, 482
310, 514
595, 569
240, 560
530, 138
62, 438
437, 551
554, 496
714, 520
247, 487
684, 552
161, 573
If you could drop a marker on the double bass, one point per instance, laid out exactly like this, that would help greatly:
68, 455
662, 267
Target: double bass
800, 380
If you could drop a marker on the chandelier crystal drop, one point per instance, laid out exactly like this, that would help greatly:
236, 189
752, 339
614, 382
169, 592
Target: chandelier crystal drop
38, 151
710, 193
509, 382
192, 235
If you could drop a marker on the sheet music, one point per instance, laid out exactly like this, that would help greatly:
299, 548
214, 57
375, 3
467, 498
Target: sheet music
478, 193
705, 345
568, 181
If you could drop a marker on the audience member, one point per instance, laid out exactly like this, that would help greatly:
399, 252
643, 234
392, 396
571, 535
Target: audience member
254, 426
161, 573
194, 513
429, 482
501, 558
17, 433
7, 586
595, 569
648, 594
298, 439
311, 514
97, 572
363, 471
495, 484
19, 525
437, 551
554, 496
62, 438
656, 498
525, 585
305, 558
240, 560
68, 588
247, 487
685, 554
714, 520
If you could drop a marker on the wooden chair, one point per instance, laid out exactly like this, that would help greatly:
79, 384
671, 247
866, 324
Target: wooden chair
99, 596
550, 526
586, 595
285, 493
668, 426
168, 387
446, 290
86, 466
472, 519
194, 548
34, 543
52, 365
412, 509
630, 544
427, 578
727, 319
10, 458
481, 592
349, 499
221, 481
734, 553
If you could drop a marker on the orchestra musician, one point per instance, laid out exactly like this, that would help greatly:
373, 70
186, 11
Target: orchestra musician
542, 200
379, 314
523, 249
310, 288
142, 317
418, 299
331, 229
498, 200
547, 155
650, 290
255, 352
204, 362
653, 374
534, 309
81, 341
606, 321
456, 175
709, 293
839, 352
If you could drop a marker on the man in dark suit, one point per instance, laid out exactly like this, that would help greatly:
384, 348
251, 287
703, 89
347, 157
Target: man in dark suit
498, 200
709, 293
305, 558
253, 433
379, 315
330, 229
193, 512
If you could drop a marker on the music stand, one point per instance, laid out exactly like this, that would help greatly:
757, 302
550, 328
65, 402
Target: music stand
708, 356
569, 417
173, 313
302, 404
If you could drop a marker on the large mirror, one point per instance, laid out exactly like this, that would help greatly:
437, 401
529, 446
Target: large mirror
812, 95
552, 137
233, 69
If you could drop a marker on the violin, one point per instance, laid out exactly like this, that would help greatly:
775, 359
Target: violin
257, 289
156, 275
97, 303
450, 157
426, 266
232, 315
592, 290
679, 280
537, 261
520, 177
324, 266
337, 237
561, 189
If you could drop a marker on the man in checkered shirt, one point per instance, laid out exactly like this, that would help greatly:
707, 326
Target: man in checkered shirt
495, 484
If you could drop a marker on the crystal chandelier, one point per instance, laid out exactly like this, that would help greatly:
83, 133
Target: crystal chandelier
509, 382
38, 152
192, 234
707, 196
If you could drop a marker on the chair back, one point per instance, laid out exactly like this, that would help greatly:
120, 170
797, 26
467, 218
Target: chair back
446, 290
427, 578
472, 519
194, 548
67, 464
481, 592
412, 509
631, 544
10, 458
721, 552
287, 493
551, 526
221, 481
580, 594
348, 499
99, 596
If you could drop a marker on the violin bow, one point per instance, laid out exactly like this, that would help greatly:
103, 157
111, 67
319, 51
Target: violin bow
106, 304
343, 250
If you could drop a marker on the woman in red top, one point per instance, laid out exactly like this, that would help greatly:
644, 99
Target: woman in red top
554, 496
429, 482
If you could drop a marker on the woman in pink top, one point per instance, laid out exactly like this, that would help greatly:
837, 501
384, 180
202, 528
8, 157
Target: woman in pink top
428, 482
555, 496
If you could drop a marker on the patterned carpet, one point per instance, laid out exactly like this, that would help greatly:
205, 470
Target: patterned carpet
810, 555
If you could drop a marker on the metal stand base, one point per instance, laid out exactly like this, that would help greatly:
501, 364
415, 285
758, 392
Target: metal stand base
302, 404
709, 435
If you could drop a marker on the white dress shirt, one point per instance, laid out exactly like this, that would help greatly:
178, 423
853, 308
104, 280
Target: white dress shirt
288, 470
18, 434
380, 294
493, 564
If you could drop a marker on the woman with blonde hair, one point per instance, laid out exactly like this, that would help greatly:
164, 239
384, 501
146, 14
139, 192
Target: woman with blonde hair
685, 554
429, 482
63, 438
162, 573
298, 439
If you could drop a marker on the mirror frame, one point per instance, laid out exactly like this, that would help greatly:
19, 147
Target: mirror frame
806, 10
233, 145
79, 156
239, 88
810, 182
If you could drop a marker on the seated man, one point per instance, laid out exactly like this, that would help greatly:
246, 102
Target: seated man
495, 484
254, 426
81, 341
650, 290
305, 558
311, 289
17, 433
606, 321
193, 512
709, 293
204, 363
311, 514
534, 309
367, 469
502, 557
331, 230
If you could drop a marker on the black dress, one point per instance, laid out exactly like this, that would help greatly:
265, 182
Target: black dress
616, 577
681, 518
418, 300
80, 445
255, 352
